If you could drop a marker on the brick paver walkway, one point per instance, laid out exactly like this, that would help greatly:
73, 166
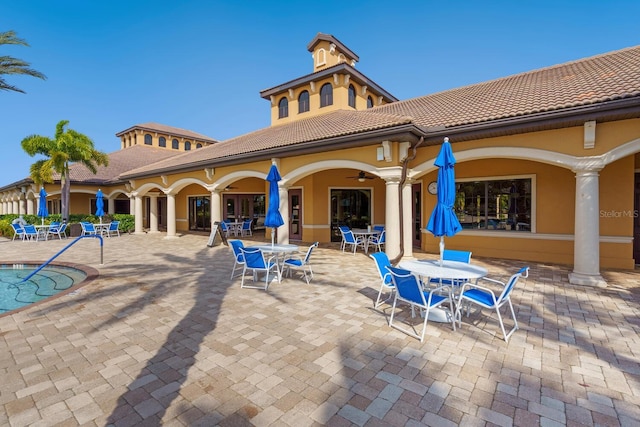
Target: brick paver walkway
164, 337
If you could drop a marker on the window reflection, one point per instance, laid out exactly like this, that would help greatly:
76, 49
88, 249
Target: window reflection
494, 205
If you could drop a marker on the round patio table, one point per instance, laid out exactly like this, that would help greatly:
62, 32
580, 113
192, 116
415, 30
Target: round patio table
450, 270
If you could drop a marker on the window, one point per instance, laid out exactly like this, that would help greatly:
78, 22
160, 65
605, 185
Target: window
326, 95
162, 142
147, 139
369, 102
321, 57
187, 145
352, 96
303, 102
198, 145
283, 108
494, 205
175, 144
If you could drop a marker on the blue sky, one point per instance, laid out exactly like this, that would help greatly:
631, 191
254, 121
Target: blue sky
200, 65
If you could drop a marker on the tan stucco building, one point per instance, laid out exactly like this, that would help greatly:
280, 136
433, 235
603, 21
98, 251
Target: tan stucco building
547, 164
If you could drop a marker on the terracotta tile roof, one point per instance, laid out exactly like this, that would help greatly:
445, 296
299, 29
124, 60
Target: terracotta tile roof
119, 162
170, 130
606, 77
330, 125
610, 76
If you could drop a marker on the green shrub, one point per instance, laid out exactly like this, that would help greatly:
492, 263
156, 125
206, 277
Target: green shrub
127, 222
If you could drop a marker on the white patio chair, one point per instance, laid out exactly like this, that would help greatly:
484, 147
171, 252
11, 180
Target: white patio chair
245, 230
30, 232
452, 255
236, 246
486, 298
255, 261
349, 239
409, 290
113, 229
88, 229
224, 227
382, 262
298, 263
18, 230
378, 240
57, 230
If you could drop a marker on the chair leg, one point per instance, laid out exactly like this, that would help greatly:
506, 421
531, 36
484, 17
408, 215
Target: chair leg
378, 303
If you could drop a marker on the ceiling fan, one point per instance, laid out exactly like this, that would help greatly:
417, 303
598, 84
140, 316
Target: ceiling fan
361, 176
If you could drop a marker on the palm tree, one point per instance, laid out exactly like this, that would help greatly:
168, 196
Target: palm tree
66, 147
10, 65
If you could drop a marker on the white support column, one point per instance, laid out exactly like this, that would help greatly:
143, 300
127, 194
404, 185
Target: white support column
30, 207
586, 245
407, 214
16, 207
283, 230
111, 206
139, 229
23, 204
132, 204
153, 212
392, 218
171, 216
216, 207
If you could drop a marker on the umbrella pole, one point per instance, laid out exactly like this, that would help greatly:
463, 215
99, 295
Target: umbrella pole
441, 250
273, 234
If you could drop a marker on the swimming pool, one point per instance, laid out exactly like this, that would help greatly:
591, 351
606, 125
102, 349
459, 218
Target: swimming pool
51, 280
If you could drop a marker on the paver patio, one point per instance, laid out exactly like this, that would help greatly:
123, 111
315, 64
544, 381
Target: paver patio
164, 337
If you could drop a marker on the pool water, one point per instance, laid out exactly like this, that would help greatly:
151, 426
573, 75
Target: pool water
53, 279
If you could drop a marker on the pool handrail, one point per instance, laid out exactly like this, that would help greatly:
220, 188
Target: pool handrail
64, 249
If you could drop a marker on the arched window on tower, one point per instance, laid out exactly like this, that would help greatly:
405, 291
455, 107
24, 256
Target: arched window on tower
326, 95
162, 142
175, 144
303, 102
321, 57
187, 145
369, 102
283, 108
352, 96
147, 139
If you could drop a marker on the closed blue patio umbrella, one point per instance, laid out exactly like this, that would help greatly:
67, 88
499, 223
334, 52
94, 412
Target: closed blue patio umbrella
99, 204
443, 221
42, 208
273, 218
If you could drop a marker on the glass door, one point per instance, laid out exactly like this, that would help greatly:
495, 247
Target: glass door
351, 208
200, 213
295, 214
416, 204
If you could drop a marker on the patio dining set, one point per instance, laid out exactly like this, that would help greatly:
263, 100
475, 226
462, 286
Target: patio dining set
38, 232
237, 228
272, 260
354, 238
442, 291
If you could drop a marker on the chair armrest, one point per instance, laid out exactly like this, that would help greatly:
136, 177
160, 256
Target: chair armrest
476, 286
294, 257
440, 288
495, 281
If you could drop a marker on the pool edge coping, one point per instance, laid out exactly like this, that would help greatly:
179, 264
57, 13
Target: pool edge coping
92, 274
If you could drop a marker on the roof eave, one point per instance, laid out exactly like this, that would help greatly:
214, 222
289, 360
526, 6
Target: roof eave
404, 132
619, 109
342, 67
